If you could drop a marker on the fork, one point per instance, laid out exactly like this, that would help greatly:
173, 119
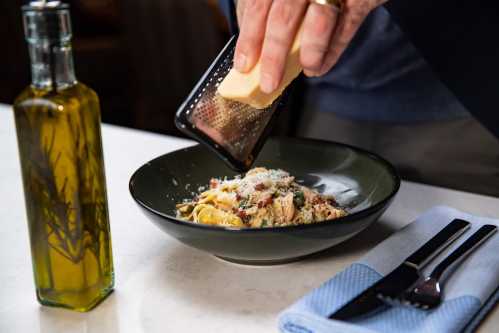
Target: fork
427, 294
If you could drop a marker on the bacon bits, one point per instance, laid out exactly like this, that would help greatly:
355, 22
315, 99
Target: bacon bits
260, 187
318, 201
265, 202
242, 214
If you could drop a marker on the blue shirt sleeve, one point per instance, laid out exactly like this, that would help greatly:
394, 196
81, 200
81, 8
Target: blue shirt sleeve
229, 10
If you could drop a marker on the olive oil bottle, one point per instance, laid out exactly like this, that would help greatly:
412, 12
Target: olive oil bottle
58, 129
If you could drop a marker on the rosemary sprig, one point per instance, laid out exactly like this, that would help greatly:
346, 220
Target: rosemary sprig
72, 219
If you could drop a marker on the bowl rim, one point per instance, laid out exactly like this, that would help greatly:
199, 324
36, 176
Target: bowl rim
341, 220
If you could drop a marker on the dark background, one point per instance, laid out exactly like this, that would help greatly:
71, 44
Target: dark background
459, 40
142, 57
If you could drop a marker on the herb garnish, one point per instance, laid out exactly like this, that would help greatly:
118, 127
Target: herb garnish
244, 203
299, 199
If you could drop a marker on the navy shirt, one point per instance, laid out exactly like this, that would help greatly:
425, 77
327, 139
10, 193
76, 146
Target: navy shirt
381, 77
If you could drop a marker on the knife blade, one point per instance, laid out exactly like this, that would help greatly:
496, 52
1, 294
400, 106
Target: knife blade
403, 277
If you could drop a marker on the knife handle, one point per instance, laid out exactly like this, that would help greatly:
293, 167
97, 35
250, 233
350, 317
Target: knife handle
438, 242
480, 236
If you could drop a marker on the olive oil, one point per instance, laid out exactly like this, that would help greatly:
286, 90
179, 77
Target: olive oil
59, 139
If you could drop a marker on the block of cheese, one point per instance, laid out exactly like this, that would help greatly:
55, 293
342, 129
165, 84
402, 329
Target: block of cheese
245, 87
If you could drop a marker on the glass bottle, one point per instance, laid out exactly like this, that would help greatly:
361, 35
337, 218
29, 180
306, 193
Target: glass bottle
58, 129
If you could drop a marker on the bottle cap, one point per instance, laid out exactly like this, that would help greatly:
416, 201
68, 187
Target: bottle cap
47, 21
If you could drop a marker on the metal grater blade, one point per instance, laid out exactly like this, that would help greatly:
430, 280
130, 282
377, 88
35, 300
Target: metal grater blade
235, 131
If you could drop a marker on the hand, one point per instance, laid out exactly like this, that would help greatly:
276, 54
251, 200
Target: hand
268, 28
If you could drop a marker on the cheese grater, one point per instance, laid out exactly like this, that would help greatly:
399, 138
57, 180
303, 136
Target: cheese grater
234, 131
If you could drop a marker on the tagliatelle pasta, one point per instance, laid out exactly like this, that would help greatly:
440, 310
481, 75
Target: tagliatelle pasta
262, 198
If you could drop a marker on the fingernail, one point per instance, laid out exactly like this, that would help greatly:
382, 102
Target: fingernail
241, 61
310, 73
267, 84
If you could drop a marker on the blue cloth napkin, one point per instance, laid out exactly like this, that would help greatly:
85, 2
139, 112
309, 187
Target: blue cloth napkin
470, 291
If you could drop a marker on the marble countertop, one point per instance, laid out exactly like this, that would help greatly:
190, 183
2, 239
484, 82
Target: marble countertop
165, 286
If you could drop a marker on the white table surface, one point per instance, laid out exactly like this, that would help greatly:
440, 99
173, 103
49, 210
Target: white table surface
163, 285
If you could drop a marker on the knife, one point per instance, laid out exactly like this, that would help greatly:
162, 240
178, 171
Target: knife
403, 277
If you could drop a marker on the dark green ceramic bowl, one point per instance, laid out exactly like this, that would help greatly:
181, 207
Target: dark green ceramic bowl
360, 181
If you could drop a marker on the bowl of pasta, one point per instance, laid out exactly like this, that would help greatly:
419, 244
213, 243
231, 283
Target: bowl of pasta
303, 196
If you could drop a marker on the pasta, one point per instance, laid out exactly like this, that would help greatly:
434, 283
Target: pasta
262, 198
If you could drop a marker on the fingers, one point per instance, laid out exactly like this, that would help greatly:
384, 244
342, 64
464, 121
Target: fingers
348, 24
252, 32
268, 29
241, 4
284, 19
318, 27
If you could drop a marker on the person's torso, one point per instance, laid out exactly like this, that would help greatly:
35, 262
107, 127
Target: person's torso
382, 77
